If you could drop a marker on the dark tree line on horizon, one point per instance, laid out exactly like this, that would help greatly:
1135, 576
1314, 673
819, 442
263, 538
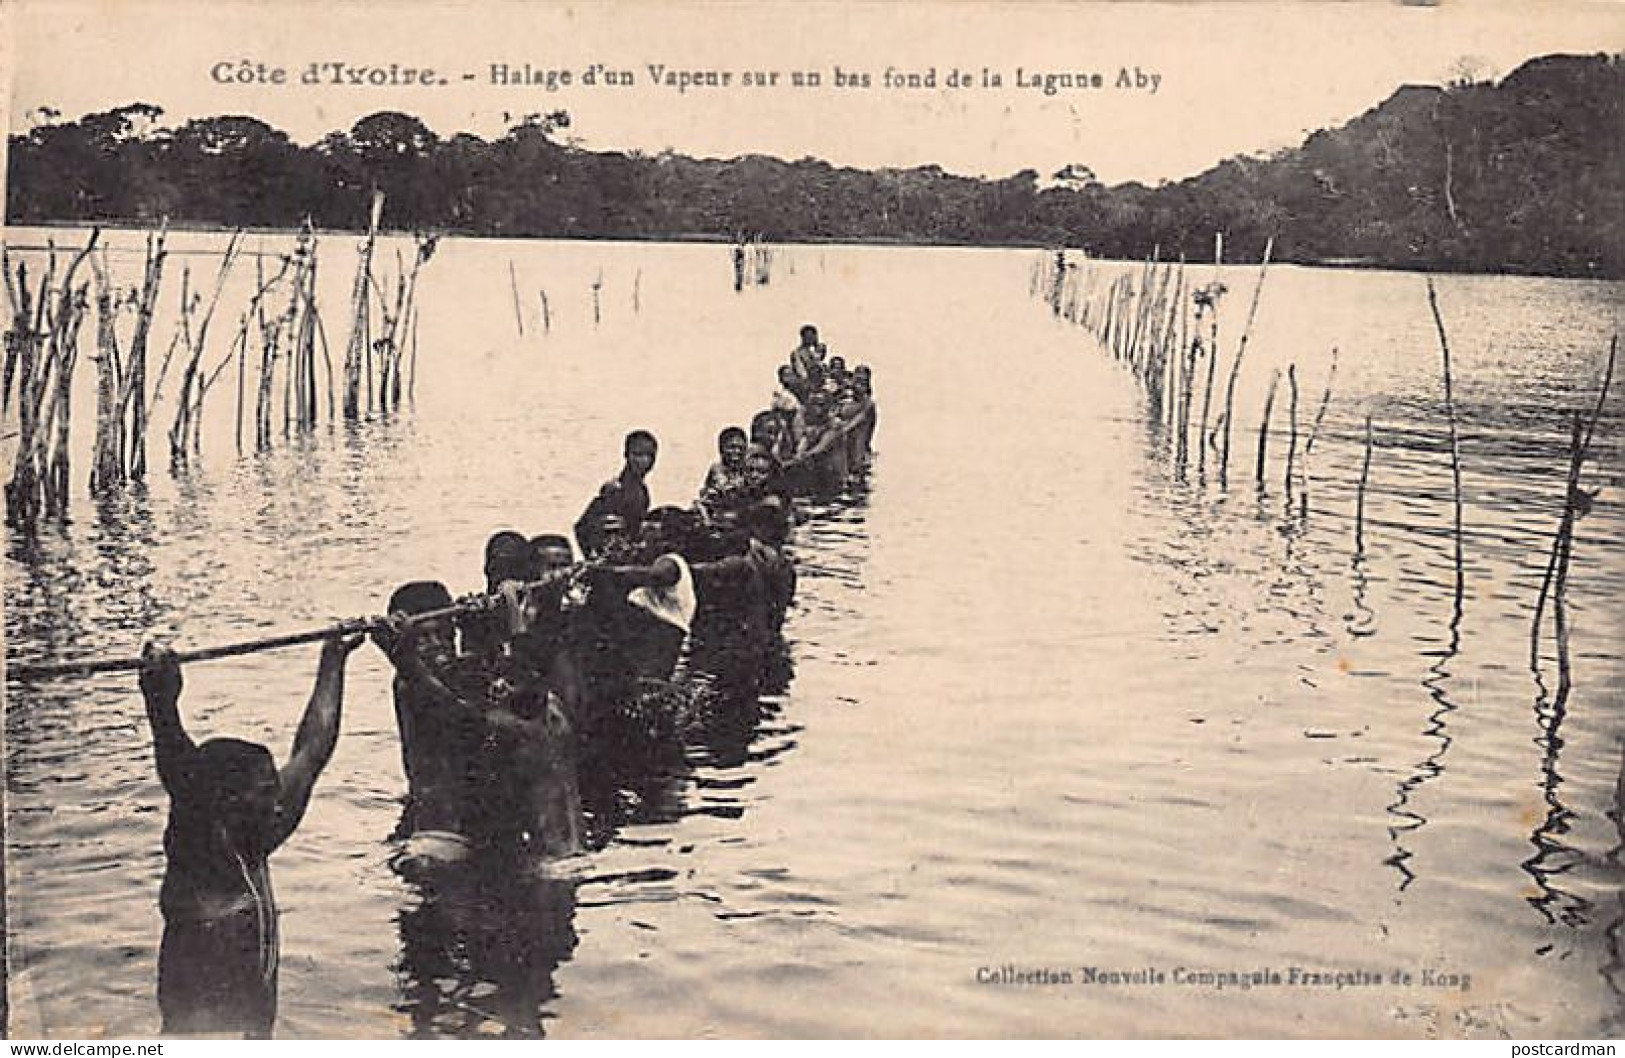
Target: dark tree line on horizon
1517, 176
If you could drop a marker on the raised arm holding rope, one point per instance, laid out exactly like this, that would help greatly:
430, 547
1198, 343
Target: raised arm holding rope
230, 808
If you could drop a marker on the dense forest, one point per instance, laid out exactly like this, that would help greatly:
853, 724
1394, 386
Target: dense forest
1522, 175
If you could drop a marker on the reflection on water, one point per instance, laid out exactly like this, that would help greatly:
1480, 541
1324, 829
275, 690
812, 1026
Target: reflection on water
1553, 859
1437, 683
479, 947
1043, 699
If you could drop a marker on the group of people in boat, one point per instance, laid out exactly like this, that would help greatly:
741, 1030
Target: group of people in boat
498, 696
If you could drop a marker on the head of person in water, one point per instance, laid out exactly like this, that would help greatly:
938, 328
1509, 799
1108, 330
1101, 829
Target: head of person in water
760, 466
239, 779
768, 521
432, 641
617, 543
666, 529
551, 551
766, 427
507, 557
817, 409
640, 449
731, 445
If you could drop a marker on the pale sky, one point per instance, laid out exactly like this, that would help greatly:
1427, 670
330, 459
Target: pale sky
1234, 76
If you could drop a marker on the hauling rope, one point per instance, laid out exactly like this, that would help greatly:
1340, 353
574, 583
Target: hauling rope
470, 605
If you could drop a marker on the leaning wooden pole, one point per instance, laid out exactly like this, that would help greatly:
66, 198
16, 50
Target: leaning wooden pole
360, 312
134, 400
1450, 418
1573, 498
1264, 427
1359, 496
518, 309
1292, 426
1235, 365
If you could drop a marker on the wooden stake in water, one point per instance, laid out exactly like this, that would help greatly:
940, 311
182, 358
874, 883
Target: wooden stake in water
1235, 365
1264, 427
518, 310
1292, 435
358, 349
1359, 501
547, 315
1450, 418
1212, 358
1314, 433
1575, 504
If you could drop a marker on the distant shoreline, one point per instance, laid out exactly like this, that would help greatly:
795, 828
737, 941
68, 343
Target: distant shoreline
1341, 264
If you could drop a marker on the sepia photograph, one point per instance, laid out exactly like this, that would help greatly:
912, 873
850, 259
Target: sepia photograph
841, 519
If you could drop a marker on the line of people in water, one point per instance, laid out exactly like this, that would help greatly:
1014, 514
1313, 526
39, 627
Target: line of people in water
500, 705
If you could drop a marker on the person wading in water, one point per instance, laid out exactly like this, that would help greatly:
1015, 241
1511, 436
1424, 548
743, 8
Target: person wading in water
229, 809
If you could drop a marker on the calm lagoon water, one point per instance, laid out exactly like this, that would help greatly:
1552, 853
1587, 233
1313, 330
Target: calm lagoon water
1043, 704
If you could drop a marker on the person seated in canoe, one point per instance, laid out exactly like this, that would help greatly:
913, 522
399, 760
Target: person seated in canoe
727, 475
807, 358
772, 431
230, 808
764, 478
850, 407
835, 375
814, 423
625, 496
791, 391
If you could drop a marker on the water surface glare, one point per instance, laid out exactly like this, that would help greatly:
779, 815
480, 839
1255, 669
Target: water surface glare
1044, 705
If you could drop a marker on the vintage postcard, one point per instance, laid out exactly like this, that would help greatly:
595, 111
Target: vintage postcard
829, 519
